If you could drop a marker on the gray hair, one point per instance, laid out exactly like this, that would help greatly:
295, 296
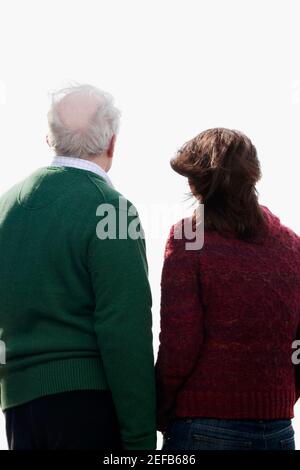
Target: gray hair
96, 136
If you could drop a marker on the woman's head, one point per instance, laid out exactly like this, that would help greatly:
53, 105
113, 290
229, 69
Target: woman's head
222, 169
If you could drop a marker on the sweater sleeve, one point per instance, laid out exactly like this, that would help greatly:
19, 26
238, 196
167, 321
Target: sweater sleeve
181, 333
123, 325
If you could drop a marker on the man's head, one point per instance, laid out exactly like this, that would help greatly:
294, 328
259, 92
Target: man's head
83, 123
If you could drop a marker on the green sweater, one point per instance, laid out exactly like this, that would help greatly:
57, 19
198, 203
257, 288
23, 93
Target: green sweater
75, 310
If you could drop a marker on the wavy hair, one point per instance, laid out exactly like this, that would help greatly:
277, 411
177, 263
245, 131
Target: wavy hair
223, 168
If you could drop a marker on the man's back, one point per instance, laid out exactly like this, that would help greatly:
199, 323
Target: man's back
75, 310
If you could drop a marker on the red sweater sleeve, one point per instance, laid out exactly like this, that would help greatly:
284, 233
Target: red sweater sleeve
182, 330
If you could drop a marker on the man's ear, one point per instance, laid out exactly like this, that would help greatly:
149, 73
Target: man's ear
111, 147
47, 140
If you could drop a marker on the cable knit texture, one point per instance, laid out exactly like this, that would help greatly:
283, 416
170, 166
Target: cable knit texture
229, 315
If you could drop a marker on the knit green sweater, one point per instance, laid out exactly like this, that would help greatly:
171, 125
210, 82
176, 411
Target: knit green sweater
75, 309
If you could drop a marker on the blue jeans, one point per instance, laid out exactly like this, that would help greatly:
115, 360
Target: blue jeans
227, 434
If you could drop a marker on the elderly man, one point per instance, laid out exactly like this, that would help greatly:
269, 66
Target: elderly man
75, 303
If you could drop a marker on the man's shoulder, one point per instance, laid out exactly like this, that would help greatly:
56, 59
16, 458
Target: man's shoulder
100, 187
108, 194
10, 195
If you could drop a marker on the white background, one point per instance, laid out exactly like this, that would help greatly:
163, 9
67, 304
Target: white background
175, 68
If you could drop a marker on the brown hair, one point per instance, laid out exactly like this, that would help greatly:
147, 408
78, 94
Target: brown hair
222, 168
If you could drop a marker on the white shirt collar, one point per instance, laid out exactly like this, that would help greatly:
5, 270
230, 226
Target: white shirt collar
82, 164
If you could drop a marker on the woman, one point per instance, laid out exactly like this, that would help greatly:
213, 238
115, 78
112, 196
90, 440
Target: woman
230, 311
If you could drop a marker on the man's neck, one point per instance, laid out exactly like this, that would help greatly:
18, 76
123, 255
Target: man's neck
83, 163
100, 160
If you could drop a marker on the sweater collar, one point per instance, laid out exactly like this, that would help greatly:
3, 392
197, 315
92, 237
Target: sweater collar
82, 164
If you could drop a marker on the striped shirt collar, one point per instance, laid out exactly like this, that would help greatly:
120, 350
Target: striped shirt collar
82, 164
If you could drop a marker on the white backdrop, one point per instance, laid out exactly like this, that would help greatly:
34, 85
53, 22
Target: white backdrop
175, 67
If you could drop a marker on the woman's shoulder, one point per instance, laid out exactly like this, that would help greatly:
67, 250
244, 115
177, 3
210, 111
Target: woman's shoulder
280, 230
188, 238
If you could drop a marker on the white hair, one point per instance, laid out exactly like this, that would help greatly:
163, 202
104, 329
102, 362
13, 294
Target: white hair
97, 134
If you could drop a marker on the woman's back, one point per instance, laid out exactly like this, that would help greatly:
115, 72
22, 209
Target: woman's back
250, 308
230, 311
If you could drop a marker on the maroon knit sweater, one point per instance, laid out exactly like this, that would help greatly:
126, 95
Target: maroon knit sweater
229, 315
